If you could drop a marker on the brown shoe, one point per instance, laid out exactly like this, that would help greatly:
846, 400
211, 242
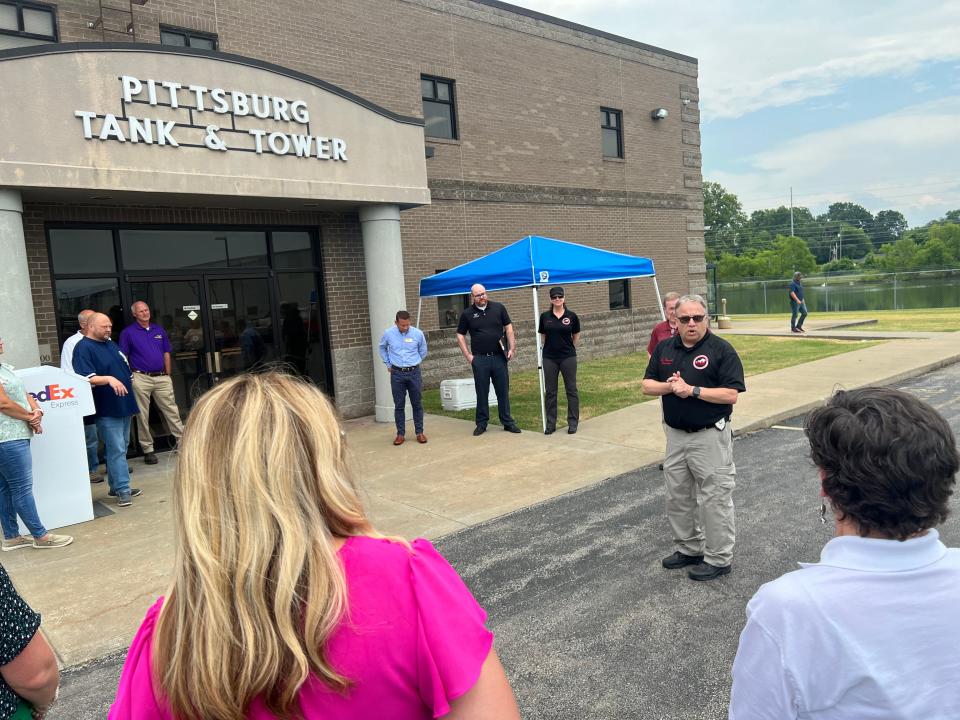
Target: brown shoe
421, 438
398, 440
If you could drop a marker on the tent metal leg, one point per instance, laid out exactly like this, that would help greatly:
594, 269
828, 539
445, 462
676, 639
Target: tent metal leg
536, 336
656, 289
419, 308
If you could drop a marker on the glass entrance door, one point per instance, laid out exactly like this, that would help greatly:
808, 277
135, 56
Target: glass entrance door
218, 327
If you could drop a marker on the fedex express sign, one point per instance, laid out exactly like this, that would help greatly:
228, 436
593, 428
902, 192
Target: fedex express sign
56, 396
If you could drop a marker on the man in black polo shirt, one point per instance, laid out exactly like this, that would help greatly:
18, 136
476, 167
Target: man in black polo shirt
488, 322
699, 377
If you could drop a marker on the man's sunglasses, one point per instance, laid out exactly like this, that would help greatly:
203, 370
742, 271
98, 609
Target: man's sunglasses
684, 319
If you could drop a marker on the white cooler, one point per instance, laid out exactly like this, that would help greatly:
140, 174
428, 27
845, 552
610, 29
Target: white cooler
461, 394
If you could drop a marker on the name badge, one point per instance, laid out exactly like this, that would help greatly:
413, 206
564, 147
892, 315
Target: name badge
410, 340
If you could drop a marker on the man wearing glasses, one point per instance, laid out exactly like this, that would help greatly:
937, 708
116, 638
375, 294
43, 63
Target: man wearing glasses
488, 323
699, 377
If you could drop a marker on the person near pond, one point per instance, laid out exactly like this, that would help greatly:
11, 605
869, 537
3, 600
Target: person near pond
280, 577
101, 361
402, 349
871, 630
29, 677
559, 330
699, 377
798, 307
147, 348
492, 346
668, 328
90, 421
20, 419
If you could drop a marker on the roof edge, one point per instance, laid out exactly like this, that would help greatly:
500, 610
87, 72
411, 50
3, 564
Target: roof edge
584, 29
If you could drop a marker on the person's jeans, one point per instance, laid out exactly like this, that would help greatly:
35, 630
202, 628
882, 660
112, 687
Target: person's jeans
487, 368
795, 309
552, 369
93, 444
115, 433
402, 382
16, 490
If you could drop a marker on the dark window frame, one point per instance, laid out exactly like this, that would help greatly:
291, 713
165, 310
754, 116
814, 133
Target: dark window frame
452, 103
465, 300
605, 124
29, 4
187, 34
626, 294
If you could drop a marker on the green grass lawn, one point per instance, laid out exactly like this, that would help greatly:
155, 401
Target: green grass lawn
608, 384
928, 319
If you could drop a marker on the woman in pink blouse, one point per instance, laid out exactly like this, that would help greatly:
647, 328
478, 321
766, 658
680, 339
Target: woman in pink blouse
285, 603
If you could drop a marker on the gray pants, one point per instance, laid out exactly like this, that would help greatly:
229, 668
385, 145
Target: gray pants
700, 477
552, 369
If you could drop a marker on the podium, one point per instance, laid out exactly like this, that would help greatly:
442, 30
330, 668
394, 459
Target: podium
61, 481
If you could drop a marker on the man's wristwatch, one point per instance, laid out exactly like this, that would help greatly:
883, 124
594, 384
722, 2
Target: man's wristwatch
696, 391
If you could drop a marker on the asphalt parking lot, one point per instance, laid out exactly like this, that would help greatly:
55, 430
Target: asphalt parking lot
588, 624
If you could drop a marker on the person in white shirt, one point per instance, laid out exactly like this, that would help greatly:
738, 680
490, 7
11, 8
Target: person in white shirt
871, 630
66, 363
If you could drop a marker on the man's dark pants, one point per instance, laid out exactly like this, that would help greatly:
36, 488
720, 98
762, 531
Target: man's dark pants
552, 369
487, 368
402, 382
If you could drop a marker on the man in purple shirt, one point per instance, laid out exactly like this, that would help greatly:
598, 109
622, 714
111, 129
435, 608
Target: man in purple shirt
147, 348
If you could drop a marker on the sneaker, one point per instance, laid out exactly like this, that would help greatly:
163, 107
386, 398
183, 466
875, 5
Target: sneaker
96, 478
706, 571
679, 560
150, 458
16, 543
52, 541
134, 492
124, 501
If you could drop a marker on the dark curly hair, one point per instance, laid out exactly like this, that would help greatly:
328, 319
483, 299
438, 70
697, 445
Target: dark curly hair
888, 459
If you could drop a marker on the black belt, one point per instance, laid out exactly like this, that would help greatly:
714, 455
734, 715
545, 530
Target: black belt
150, 374
700, 429
489, 354
405, 369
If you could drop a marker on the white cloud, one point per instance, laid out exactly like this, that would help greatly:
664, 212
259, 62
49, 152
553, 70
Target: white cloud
903, 160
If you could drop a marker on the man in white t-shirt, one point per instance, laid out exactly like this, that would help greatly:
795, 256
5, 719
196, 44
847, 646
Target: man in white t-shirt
89, 431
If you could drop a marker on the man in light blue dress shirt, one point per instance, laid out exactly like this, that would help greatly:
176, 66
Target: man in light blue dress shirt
402, 349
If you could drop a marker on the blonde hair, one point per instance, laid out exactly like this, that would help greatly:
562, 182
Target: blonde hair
261, 491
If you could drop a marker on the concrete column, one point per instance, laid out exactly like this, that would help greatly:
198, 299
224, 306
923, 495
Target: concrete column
18, 325
383, 259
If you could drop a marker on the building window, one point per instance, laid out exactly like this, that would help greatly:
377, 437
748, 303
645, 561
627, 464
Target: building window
439, 113
25, 23
187, 38
611, 125
619, 294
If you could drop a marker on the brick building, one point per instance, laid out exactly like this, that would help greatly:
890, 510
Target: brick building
462, 125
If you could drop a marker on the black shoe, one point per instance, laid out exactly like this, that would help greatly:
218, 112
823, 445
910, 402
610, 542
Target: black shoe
549, 431
150, 458
571, 430
134, 492
706, 571
679, 560
511, 428
479, 430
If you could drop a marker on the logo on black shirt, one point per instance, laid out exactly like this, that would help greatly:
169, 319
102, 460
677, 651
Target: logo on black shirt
700, 362
566, 321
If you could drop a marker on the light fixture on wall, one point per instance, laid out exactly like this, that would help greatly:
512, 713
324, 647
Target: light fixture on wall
659, 114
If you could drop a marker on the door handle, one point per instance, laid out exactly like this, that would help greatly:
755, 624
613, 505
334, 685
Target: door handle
216, 361
209, 364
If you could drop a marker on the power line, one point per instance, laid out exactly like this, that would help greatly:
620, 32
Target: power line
838, 189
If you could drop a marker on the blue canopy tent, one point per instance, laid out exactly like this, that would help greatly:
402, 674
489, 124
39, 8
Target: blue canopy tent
534, 261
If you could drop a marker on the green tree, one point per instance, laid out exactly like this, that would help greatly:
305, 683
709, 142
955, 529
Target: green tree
899, 256
723, 214
888, 226
794, 255
852, 242
850, 214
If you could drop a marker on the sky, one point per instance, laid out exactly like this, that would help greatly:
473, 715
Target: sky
842, 100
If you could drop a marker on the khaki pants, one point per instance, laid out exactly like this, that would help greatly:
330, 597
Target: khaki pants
161, 390
700, 474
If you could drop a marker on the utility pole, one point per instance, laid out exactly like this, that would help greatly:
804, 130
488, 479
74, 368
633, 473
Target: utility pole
791, 210
840, 236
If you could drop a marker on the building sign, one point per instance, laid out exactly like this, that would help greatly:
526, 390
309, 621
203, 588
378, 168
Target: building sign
214, 111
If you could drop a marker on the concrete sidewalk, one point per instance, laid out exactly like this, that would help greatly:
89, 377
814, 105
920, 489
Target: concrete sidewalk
93, 594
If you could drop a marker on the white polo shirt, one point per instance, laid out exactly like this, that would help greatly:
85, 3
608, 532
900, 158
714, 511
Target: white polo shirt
66, 354
870, 632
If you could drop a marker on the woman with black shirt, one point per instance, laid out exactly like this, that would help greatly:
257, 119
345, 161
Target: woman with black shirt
560, 331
